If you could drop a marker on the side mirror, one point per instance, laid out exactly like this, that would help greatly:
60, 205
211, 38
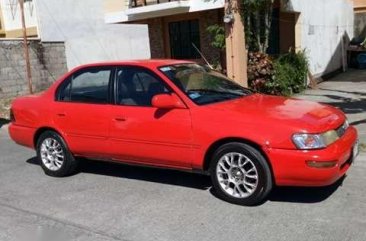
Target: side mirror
167, 101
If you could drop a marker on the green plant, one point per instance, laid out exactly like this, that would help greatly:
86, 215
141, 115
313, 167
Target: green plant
217, 33
257, 18
285, 75
290, 73
364, 43
260, 71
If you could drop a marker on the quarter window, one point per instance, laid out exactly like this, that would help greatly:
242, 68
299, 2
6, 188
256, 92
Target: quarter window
88, 86
137, 86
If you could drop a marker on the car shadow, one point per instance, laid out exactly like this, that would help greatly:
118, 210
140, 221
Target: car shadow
304, 194
164, 176
197, 181
3, 122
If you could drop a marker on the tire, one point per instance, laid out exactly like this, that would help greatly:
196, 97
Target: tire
240, 174
54, 156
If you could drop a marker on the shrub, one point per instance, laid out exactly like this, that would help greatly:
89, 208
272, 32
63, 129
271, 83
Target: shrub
217, 33
218, 41
291, 72
260, 71
285, 75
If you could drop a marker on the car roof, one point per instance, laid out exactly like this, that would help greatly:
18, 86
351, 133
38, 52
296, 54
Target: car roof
147, 63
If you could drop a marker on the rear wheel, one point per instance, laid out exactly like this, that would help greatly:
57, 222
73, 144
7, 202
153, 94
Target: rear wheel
55, 158
240, 174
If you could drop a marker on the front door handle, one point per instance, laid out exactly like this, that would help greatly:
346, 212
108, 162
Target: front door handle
120, 119
61, 114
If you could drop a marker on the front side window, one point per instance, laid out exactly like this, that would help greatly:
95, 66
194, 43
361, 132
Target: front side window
202, 85
87, 86
137, 86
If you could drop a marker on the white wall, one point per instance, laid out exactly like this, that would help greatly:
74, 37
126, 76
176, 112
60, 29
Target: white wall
12, 17
80, 24
323, 25
162, 9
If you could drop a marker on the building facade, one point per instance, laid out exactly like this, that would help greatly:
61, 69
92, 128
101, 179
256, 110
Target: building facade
324, 35
79, 25
64, 34
177, 29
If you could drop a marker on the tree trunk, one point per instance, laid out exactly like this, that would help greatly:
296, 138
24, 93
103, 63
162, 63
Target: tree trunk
258, 31
268, 24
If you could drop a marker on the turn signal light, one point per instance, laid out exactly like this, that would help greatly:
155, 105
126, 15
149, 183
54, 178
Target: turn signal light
321, 164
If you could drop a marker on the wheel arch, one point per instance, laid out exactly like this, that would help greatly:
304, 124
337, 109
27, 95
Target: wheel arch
214, 146
41, 130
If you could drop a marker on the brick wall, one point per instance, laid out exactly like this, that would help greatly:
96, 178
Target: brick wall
48, 62
206, 18
156, 37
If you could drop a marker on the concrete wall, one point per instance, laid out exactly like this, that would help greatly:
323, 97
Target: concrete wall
159, 10
48, 63
324, 23
87, 37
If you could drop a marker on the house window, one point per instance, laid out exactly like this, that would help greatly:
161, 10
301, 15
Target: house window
182, 36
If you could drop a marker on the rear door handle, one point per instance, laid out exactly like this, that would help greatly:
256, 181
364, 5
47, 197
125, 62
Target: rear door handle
61, 114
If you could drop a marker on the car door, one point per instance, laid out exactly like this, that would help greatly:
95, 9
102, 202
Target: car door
142, 133
82, 110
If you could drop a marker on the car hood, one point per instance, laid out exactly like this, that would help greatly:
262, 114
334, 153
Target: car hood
301, 115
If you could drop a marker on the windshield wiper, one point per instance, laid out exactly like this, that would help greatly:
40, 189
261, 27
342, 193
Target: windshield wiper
217, 92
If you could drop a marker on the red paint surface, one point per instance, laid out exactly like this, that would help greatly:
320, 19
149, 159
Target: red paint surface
180, 138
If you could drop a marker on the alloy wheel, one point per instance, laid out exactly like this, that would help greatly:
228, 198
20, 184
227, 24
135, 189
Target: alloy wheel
52, 154
237, 175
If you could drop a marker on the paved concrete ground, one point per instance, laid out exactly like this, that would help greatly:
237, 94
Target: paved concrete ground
116, 202
346, 91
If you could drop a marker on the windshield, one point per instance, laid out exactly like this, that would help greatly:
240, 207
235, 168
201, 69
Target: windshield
202, 85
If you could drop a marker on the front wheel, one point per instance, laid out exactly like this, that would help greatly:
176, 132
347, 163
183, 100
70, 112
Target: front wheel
240, 174
55, 158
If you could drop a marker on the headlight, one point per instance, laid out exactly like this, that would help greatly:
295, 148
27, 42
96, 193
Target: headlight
315, 141
305, 141
329, 137
308, 141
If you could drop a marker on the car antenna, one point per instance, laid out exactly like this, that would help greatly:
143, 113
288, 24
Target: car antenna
203, 57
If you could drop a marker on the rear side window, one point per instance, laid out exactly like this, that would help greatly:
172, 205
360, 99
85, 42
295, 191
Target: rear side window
87, 86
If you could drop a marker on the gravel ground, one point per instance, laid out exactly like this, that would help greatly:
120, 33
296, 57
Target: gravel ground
4, 108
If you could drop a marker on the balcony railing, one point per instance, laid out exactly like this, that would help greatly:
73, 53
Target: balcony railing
140, 3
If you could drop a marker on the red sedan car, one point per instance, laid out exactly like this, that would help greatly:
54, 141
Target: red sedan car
178, 114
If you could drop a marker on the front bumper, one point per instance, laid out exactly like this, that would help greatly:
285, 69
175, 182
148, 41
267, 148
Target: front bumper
290, 167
